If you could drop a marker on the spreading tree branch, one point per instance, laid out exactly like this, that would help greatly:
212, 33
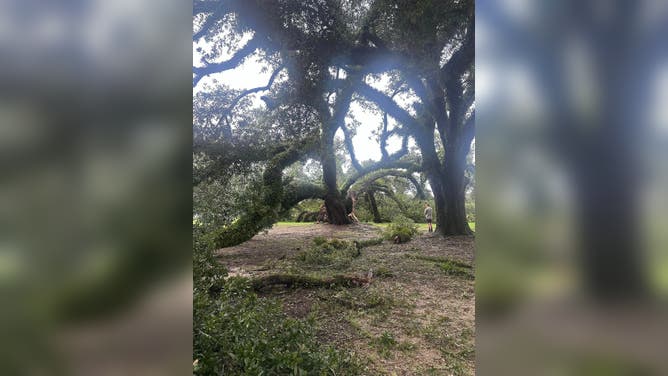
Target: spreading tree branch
247, 92
380, 165
451, 75
388, 105
406, 174
384, 135
348, 140
232, 63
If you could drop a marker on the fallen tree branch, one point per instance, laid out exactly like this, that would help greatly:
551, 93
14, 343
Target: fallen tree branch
291, 280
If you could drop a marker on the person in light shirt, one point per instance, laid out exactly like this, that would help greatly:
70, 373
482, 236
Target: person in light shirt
428, 215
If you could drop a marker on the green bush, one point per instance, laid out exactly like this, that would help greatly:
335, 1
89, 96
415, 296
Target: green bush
319, 240
329, 253
208, 274
404, 230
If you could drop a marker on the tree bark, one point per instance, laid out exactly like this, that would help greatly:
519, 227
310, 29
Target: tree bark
448, 184
334, 201
607, 198
440, 202
454, 191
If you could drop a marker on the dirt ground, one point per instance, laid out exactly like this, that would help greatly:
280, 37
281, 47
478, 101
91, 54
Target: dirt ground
416, 317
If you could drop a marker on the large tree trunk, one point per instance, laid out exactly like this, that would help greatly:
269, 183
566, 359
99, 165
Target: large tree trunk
454, 191
608, 218
336, 210
448, 186
440, 202
334, 201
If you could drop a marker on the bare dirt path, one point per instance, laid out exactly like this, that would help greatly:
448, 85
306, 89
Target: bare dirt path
417, 316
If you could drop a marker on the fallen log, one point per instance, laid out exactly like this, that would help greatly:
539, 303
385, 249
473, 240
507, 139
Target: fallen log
291, 280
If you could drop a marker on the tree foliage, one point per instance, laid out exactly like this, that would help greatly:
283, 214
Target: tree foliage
324, 55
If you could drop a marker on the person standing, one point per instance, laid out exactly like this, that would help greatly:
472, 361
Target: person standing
322, 214
428, 215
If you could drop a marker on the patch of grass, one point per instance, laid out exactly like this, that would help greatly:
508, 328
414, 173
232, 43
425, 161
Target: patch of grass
363, 299
369, 242
406, 346
457, 357
435, 334
383, 272
319, 240
292, 224
449, 266
411, 327
422, 227
455, 365
455, 269
382, 225
434, 371
386, 344
439, 260
458, 351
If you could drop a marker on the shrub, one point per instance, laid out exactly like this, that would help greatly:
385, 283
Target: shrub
319, 240
402, 231
332, 253
208, 274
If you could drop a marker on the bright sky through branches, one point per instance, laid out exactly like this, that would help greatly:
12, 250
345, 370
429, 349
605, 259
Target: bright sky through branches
249, 75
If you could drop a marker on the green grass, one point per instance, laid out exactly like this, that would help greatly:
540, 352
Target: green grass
386, 344
293, 224
450, 267
455, 269
421, 226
